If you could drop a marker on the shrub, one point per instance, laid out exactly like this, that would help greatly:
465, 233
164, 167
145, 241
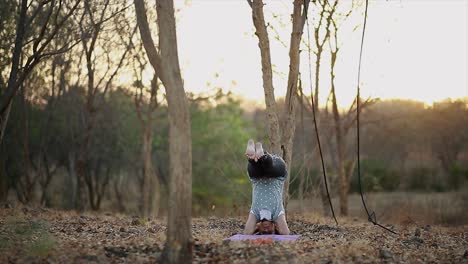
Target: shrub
375, 176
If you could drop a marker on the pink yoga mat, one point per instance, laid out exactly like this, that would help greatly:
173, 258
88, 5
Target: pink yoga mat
253, 237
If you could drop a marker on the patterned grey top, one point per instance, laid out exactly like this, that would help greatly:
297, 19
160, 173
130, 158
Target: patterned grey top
267, 194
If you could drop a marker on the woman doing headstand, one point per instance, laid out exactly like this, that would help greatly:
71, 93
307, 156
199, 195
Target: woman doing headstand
267, 173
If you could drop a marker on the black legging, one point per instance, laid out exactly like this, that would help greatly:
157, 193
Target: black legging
267, 166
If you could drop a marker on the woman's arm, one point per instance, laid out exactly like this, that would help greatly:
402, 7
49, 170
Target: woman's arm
250, 225
282, 225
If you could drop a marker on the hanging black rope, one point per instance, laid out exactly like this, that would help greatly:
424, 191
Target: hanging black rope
371, 216
315, 120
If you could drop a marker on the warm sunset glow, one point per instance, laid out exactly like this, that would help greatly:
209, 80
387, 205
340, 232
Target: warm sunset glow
413, 50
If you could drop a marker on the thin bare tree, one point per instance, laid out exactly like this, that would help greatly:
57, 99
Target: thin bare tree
92, 22
146, 104
342, 121
326, 12
151, 191
178, 247
281, 141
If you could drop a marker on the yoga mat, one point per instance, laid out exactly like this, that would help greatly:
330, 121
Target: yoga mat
254, 237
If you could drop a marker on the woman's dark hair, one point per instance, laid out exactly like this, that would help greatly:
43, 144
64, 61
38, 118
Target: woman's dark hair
259, 232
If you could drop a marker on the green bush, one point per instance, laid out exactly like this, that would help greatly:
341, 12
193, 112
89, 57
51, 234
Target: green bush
422, 179
375, 176
457, 176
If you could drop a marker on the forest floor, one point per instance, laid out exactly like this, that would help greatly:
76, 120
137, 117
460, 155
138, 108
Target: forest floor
46, 236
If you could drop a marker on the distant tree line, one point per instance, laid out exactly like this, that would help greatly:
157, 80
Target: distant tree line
39, 170
73, 136
405, 145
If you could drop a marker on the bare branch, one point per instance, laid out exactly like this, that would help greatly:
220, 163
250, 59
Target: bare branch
120, 62
36, 11
13, 86
44, 26
62, 50
37, 55
147, 39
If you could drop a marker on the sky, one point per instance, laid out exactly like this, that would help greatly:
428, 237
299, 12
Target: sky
413, 49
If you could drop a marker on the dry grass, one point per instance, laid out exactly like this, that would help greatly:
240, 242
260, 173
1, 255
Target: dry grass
449, 209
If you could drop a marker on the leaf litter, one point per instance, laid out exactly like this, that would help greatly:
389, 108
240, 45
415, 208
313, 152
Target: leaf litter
49, 236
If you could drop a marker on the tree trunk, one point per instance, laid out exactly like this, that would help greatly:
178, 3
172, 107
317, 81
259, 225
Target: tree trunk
147, 172
322, 188
178, 247
287, 137
319, 43
4, 185
340, 148
88, 41
70, 181
82, 163
118, 192
317, 78
349, 169
4, 120
44, 168
151, 186
82, 166
46, 177
304, 158
291, 94
267, 75
155, 197
179, 244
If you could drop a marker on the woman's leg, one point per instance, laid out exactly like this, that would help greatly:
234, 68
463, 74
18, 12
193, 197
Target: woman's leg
250, 150
264, 165
254, 169
250, 224
272, 166
276, 167
282, 225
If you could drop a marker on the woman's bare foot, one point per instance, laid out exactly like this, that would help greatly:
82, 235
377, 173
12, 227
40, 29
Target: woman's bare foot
258, 151
250, 151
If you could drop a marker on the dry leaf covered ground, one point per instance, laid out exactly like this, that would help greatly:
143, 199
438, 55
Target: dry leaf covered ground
47, 236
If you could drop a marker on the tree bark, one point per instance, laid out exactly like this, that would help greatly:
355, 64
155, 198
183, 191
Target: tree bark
291, 94
147, 171
117, 183
304, 158
340, 148
70, 180
150, 184
4, 185
179, 245
267, 76
285, 139
318, 58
